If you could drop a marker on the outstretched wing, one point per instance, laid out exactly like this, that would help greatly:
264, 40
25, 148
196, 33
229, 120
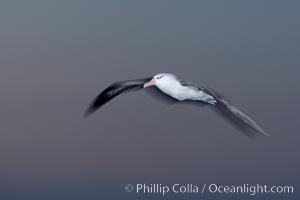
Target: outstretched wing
231, 113
114, 90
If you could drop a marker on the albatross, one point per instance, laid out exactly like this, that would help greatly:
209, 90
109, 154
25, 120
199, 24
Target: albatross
175, 88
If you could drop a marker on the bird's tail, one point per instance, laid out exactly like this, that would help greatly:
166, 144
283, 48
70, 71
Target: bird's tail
236, 117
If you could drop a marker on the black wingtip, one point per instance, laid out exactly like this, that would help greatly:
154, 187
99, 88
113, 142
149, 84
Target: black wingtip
112, 91
87, 113
252, 130
90, 110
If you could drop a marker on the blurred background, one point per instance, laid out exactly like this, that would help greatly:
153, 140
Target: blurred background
56, 56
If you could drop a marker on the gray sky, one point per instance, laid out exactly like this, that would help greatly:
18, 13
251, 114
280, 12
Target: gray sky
56, 56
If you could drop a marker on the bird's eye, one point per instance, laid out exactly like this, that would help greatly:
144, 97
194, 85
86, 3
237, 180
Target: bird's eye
159, 77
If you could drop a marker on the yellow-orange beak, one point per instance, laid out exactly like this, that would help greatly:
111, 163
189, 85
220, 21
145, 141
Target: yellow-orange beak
150, 83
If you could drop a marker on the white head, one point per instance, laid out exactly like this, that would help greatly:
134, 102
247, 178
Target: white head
161, 78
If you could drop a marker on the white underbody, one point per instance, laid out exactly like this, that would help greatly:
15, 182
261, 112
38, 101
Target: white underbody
181, 93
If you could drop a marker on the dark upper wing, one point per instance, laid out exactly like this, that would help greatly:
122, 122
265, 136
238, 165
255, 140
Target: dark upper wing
114, 90
231, 113
205, 89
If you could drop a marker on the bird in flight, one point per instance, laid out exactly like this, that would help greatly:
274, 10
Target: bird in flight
172, 87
